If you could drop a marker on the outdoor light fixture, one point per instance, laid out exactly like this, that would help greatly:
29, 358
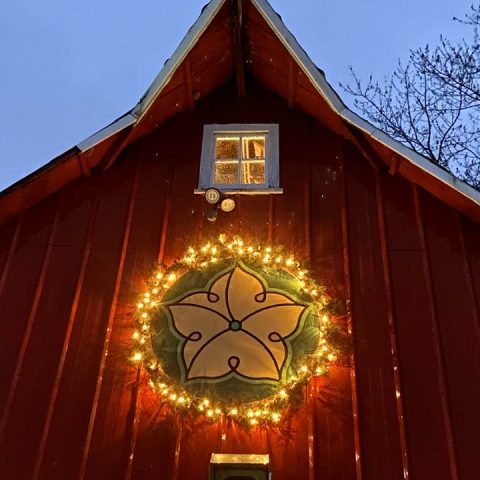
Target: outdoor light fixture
227, 204
212, 196
212, 215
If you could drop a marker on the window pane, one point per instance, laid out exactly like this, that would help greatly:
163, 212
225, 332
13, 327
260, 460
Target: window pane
227, 147
226, 172
253, 172
254, 147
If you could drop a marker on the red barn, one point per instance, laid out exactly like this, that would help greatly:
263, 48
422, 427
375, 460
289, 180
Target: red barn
240, 107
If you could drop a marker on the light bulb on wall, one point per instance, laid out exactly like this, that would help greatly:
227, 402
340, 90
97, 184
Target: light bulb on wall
227, 204
212, 196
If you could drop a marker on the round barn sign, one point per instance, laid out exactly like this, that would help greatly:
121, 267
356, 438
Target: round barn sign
233, 329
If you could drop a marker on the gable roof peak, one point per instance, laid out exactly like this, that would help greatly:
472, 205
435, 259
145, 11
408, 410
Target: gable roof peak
266, 30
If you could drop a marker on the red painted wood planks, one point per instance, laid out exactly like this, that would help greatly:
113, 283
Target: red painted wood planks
378, 416
30, 403
65, 443
426, 408
112, 433
23, 285
331, 397
458, 327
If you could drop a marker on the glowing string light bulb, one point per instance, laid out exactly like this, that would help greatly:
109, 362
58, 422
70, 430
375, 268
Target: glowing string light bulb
137, 356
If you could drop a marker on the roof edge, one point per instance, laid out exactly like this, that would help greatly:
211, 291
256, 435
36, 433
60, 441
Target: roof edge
123, 122
418, 160
189, 40
138, 111
336, 103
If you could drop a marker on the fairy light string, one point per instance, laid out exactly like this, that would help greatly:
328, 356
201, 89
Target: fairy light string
269, 410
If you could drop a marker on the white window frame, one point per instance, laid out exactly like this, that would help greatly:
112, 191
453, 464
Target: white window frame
207, 161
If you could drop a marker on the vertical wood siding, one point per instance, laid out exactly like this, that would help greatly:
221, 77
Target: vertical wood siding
71, 267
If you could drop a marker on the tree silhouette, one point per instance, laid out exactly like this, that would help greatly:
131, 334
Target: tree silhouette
431, 102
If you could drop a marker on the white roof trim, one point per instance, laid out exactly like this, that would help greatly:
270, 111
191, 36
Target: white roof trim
116, 126
190, 39
332, 98
415, 158
304, 61
166, 73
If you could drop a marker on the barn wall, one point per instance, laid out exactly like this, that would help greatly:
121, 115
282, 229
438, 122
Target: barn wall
71, 267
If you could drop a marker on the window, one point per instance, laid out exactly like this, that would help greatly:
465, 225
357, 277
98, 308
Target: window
240, 158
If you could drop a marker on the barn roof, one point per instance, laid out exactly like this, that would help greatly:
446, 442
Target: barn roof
229, 36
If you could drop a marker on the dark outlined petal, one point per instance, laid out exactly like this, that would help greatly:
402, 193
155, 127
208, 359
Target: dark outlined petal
193, 319
234, 351
246, 294
272, 325
214, 299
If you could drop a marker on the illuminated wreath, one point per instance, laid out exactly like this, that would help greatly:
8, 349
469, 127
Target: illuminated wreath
233, 330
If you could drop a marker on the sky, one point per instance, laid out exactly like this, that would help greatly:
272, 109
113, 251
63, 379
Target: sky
69, 68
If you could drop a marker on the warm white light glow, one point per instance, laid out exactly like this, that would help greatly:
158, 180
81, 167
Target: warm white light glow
235, 458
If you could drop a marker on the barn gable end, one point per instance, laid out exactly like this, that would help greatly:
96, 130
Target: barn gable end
397, 240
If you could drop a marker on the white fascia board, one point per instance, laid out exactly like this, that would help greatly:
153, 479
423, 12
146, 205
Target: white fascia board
335, 102
190, 39
161, 79
112, 129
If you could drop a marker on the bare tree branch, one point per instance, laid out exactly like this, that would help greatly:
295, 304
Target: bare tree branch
432, 103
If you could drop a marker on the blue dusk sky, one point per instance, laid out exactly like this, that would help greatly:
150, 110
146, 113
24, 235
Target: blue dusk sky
68, 68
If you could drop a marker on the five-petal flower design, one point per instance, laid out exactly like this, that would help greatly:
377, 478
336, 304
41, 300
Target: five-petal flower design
236, 327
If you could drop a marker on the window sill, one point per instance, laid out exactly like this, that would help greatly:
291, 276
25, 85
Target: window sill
243, 191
